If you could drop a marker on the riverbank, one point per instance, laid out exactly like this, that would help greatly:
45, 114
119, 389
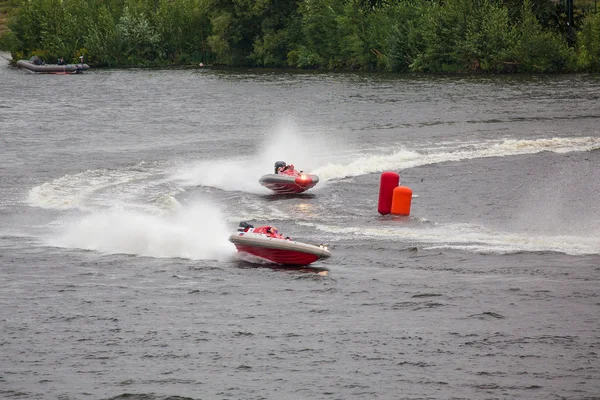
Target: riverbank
5, 57
403, 36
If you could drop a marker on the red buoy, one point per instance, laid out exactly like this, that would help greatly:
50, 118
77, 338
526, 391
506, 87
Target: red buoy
401, 199
389, 181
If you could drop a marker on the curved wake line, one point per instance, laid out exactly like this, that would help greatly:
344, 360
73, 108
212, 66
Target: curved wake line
90, 189
404, 159
473, 238
93, 188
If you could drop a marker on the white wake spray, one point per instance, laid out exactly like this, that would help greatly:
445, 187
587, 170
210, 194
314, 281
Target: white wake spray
196, 232
285, 143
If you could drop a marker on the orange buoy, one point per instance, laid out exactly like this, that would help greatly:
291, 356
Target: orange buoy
389, 181
401, 199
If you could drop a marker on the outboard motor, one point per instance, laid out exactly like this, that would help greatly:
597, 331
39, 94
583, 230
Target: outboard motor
279, 164
243, 226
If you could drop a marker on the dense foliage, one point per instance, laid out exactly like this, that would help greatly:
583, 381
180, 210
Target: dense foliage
385, 35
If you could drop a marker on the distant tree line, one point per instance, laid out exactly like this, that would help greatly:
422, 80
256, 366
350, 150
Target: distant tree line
382, 35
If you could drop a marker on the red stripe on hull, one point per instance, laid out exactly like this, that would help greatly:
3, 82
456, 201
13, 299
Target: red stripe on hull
286, 188
284, 257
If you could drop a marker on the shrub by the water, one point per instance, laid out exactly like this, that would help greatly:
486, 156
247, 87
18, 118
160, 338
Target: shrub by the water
390, 35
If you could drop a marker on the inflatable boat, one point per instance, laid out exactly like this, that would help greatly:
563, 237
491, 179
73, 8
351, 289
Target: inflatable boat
286, 180
266, 243
36, 65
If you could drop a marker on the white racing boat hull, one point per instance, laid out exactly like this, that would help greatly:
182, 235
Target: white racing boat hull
288, 184
279, 251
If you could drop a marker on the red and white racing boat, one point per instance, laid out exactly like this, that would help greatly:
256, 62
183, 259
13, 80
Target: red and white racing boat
266, 243
286, 180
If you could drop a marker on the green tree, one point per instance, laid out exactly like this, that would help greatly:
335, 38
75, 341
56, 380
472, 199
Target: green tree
183, 26
406, 41
487, 36
102, 41
278, 33
321, 33
588, 43
443, 28
536, 49
138, 38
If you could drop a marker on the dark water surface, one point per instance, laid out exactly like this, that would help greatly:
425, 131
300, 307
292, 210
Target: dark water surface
118, 190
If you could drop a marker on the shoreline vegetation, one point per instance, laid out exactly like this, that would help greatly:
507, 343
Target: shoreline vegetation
437, 36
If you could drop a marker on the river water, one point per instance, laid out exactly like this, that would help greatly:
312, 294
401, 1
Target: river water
119, 188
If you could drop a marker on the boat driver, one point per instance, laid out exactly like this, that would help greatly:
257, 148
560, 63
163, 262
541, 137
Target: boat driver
274, 232
289, 167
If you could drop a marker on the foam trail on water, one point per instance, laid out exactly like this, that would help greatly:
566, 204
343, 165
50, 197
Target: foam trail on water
403, 158
197, 232
472, 238
369, 164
